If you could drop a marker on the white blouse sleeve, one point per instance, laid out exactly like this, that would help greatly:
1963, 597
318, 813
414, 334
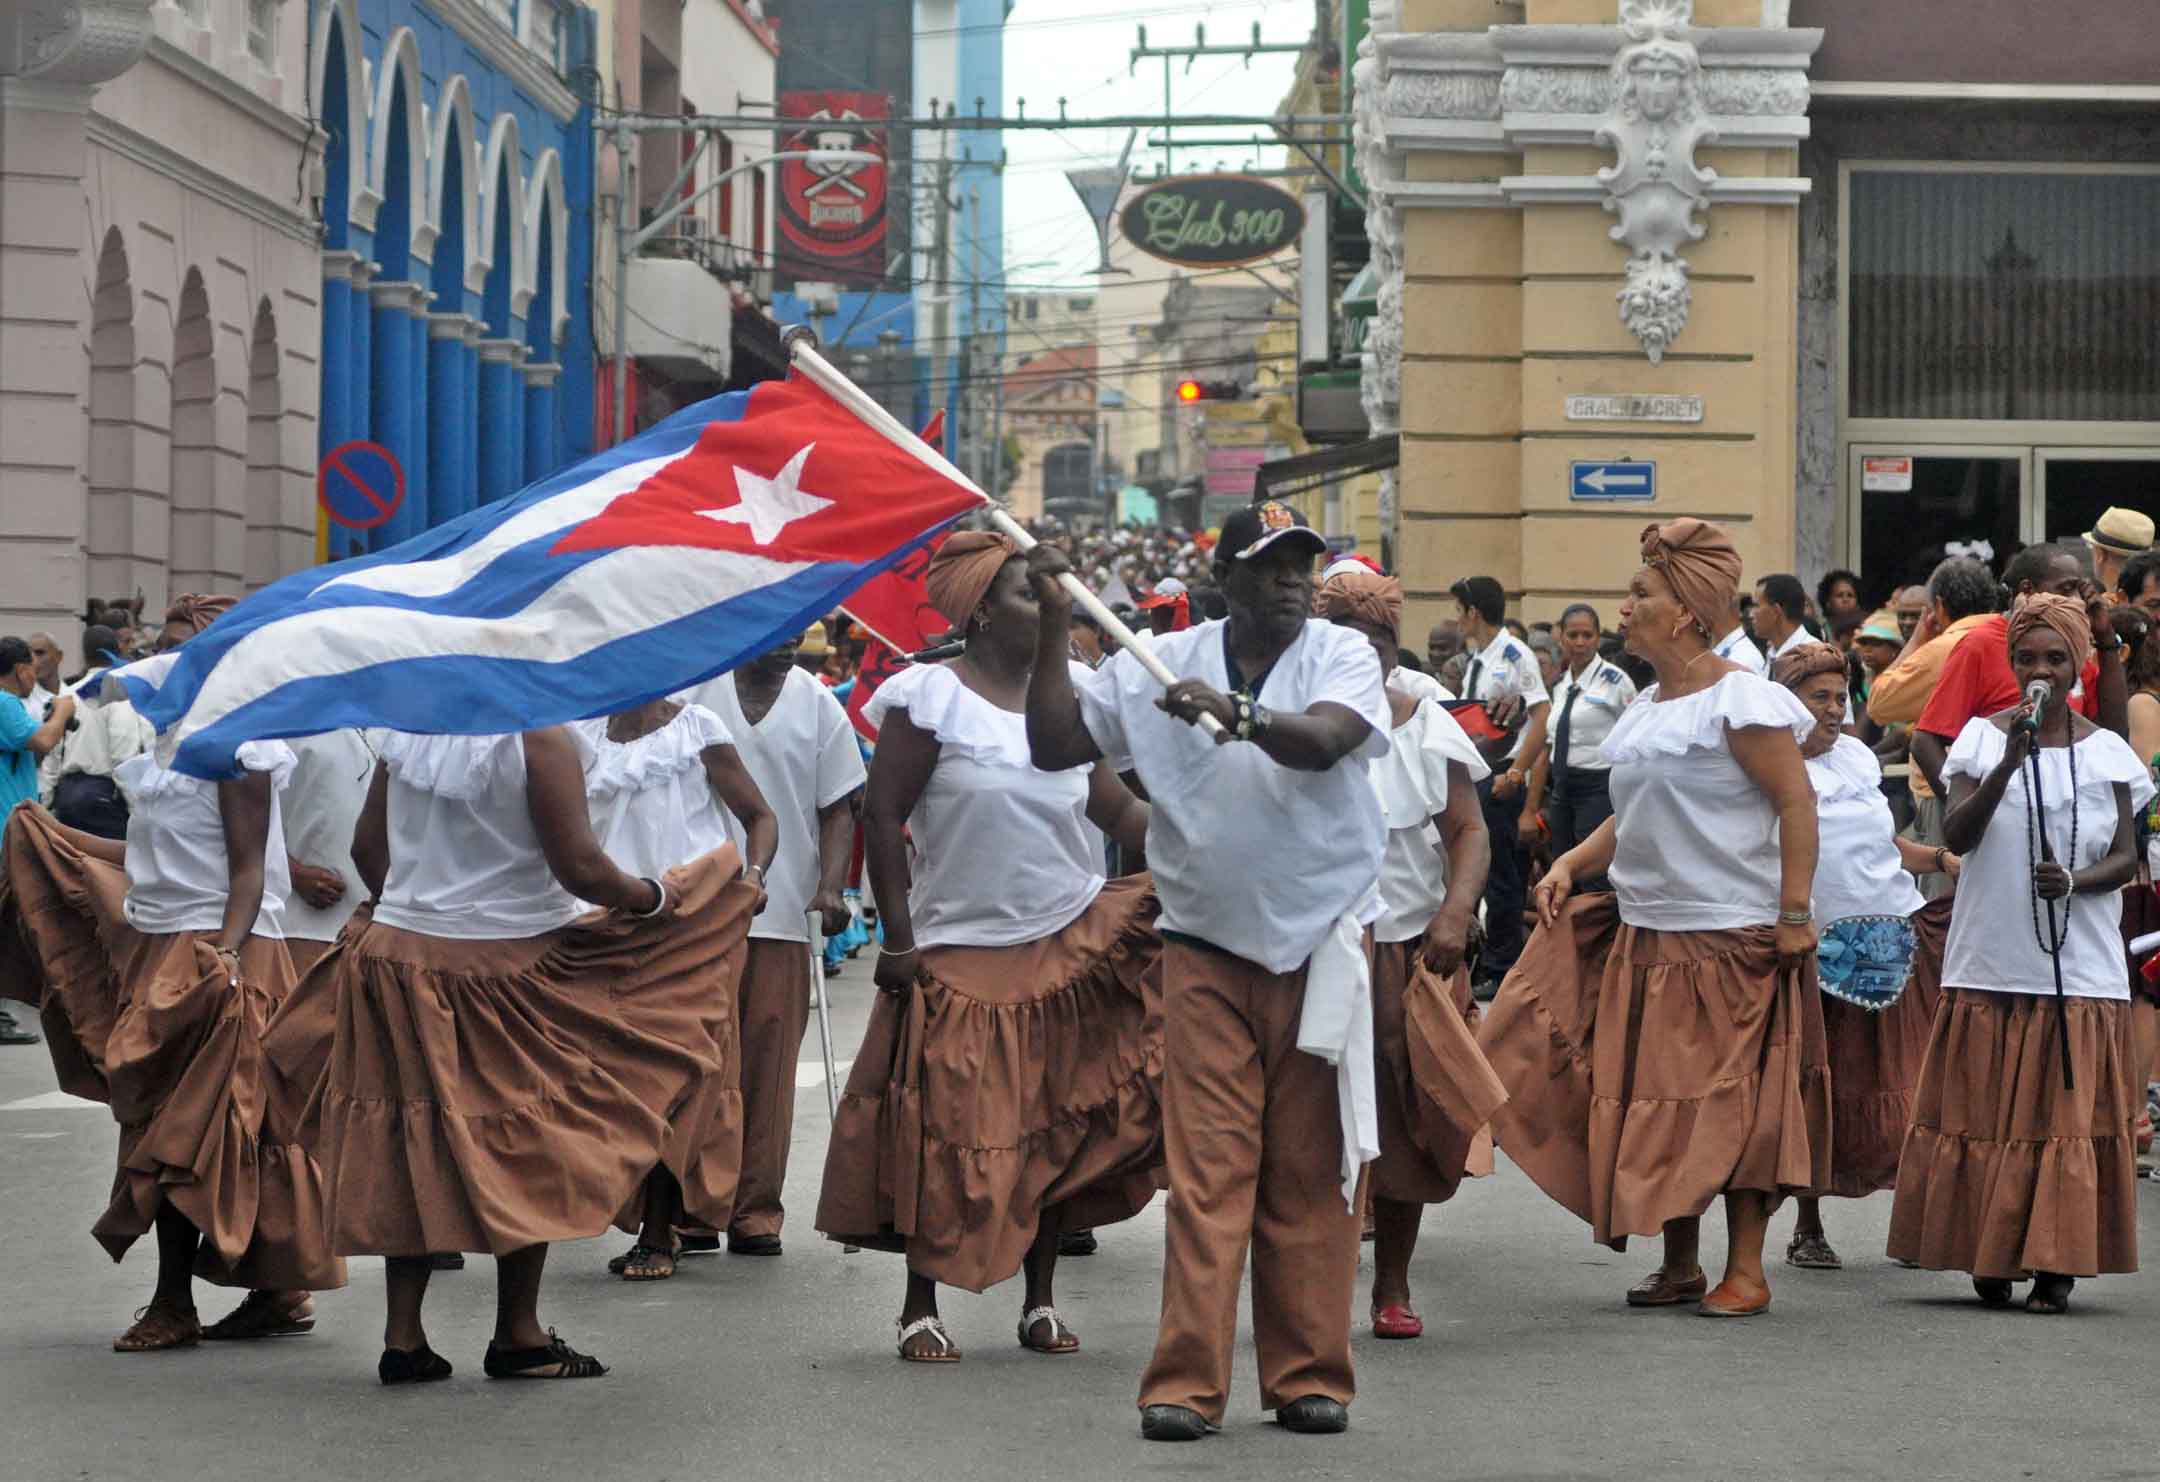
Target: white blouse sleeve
1699, 722
929, 693
1977, 750
464, 766
2112, 759
1444, 741
274, 757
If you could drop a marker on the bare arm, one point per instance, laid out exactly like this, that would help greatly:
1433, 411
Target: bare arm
1466, 846
555, 800
1973, 804
1533, 745
1112, 808
1057, 735
1919, 859
371, 834
112, 851
1306, 741
244, 809
732, 784
1771, 759
1929, 751
2118, 866
899, 771
836, 850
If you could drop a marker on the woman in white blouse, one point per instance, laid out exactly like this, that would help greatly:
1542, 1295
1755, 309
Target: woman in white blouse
666, 786
158, 962
2020, 1162
505, 1061
1007, 1086
1432, 1118
1663, 1045
1880, 963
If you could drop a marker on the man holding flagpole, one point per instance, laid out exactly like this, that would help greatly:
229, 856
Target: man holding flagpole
1266, 846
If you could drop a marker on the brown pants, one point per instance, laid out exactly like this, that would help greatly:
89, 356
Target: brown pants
1253, 1139
774, 1010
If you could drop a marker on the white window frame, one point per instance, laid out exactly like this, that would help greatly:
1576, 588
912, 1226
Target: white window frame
266, 52
1981, 437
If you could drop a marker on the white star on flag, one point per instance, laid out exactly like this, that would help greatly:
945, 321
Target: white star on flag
770, 505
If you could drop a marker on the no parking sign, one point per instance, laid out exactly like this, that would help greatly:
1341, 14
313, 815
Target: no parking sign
360, 485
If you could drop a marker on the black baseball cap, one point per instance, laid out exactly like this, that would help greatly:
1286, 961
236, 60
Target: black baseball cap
1248, 531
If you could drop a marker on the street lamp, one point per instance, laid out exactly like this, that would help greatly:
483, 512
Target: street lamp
627, 241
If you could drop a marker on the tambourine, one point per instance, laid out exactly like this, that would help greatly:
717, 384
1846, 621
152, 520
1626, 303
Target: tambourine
1866, 960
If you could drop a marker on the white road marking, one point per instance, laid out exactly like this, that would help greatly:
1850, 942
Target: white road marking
810, 1073
52, 1101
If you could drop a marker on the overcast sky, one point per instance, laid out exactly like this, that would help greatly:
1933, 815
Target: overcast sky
1081, 50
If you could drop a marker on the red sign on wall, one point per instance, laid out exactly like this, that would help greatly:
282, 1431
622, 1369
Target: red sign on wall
832, 217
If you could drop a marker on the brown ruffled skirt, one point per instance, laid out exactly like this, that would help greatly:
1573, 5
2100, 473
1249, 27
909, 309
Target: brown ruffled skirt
1875, 1063
1649, 1071
1012, 1082
154, 1027
1436, 1092
2005, 1172
490, 1095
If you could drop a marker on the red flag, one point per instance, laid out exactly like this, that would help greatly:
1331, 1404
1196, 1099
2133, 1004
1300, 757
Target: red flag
933, 431
896, 609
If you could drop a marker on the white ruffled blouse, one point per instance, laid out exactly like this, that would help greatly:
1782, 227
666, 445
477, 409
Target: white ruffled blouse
1002, 851
1697, 841
1412, 784
178, 872
1994, 943
1857, 868
465, 860
652, 805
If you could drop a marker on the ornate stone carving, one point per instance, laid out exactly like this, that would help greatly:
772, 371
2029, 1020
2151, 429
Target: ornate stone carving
1654, 185
1556, 90
1738, 92
1443, 95
1380, 376
83, 42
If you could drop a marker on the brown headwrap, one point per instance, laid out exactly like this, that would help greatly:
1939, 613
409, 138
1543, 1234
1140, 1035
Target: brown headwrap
1796, 666
1699, 562
962, 570
1363, 597
197, 613
2065, 615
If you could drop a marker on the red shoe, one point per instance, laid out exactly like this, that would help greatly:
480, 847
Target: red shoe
1396, 1320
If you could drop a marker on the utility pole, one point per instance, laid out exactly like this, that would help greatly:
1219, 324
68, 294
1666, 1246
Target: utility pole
1200, 48
941, 264
976, 345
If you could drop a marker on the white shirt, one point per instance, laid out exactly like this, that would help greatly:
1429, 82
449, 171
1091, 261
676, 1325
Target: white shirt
1419, 685
1857, 868
322, 803
1604, 691
1000, 852
39, 700
1697, 847
1505, 669
802, 756
1739, 648
465, 860
1411, 782
1992, 941
105, 735
1249, 855
1797, 638
178, 872
652, 804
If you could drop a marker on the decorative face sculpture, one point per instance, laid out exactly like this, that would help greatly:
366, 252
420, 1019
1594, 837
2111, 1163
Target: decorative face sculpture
1656, 78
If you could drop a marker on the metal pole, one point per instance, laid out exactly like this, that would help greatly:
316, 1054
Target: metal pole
802, 352
824, 1029
624, 174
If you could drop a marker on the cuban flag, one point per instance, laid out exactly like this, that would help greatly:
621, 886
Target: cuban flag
643, 570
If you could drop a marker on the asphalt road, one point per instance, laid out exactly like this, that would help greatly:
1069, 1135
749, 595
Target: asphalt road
1531, 1367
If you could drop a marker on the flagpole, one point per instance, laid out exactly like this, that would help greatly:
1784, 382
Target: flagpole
801, 343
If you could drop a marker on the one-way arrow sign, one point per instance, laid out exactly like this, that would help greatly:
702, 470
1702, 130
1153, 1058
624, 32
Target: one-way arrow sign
1609, 482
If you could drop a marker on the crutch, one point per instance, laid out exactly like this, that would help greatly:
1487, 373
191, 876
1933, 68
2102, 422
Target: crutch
816, 920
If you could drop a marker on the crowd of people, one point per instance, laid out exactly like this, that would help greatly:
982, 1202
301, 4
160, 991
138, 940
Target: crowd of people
1739, 892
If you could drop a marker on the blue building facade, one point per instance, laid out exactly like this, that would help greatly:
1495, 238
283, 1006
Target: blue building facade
457, 206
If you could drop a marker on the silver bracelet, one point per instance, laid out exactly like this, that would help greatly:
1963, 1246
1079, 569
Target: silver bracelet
659, 905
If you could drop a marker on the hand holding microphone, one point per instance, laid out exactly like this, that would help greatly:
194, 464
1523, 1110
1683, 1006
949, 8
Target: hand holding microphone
2037, 695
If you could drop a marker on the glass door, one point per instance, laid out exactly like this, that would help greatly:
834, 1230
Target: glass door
2077, 484
1908, 503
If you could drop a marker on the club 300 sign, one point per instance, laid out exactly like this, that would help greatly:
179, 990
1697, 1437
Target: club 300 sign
1212, 221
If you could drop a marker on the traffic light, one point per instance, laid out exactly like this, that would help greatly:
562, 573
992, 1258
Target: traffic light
1192, 391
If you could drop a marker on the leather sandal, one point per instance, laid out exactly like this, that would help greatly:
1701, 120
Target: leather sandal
1062, 1338
642, 1262
1993, 1291
264, 1315
933, 1328
1812, 1252
1722, 1303
159, 1327
1660, 1290
554, 1359
2050, 1294
1396, 1320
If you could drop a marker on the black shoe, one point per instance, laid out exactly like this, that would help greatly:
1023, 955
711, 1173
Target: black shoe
1172, 1423
1077, 1243
753, 1245
447, 1260
1315, 1415
526, 1363
422, 1365
12, 1033
687, 1244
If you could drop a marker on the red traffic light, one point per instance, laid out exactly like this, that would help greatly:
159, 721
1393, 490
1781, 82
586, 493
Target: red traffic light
1191, 391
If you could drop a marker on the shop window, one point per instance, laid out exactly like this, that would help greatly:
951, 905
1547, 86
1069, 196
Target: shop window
2006, 295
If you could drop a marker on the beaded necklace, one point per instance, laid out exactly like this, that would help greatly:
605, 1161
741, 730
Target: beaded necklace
2051, 940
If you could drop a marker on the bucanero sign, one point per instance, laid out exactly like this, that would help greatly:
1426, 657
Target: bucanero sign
1212, 221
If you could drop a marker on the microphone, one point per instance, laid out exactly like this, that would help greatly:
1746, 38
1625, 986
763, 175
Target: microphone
2037, 695
933, 654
